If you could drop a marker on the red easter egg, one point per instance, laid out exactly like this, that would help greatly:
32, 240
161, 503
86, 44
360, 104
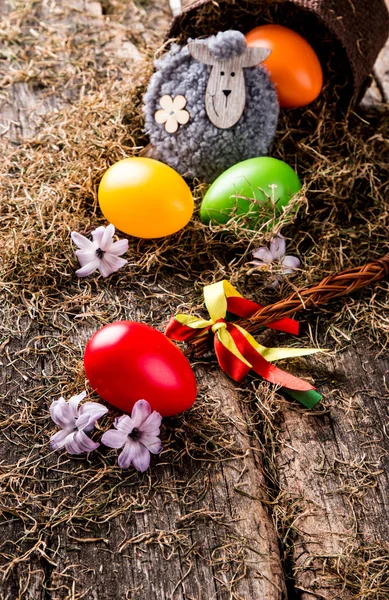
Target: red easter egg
127, 361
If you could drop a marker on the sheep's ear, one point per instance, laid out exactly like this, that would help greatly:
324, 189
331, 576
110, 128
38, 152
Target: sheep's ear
254, 56
201, 52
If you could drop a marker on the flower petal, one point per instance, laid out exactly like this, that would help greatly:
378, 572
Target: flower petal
60, 413
124, 424
118, 248
81, 241
161, 116
263, 254
141, 459
152, 424
179, 102
86, 256
88, 269
74, 402
152, 443
97, 235
127, 454
110, 263
140, 411
107, 240
89, 413
277, 247
94, 409
291, 263
182, 117
171, 124
79, 443
59, 439
166, 102
114, 438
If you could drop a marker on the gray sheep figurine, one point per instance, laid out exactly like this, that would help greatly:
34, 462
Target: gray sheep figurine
209, 106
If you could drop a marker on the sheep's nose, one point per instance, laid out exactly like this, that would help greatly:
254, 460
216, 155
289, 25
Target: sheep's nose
226, 93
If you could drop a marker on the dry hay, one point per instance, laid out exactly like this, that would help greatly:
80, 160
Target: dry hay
357, 573
48, 188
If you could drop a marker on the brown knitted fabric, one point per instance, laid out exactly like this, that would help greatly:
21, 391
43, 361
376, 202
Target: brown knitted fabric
359, 27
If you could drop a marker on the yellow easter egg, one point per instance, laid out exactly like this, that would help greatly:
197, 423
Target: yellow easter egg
145, 198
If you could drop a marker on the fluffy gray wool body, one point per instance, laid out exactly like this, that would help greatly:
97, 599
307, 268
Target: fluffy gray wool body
199, 149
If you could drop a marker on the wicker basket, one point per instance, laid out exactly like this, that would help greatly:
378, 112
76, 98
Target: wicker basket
346, 34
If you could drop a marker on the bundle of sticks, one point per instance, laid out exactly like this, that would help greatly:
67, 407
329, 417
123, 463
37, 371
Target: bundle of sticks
330, 287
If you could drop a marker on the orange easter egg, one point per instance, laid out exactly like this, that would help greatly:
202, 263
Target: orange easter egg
293, 65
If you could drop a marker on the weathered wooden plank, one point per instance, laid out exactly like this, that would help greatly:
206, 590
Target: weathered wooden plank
22, 571
333, 470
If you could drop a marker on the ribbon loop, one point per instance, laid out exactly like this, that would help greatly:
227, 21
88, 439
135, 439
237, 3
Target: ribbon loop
215, 300
236, 350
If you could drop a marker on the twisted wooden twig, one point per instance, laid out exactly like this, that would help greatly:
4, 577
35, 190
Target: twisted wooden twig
331, 287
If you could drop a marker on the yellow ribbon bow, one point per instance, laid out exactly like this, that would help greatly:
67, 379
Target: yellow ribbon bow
237, 351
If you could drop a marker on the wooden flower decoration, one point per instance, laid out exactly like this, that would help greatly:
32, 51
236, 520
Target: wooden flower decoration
172, 113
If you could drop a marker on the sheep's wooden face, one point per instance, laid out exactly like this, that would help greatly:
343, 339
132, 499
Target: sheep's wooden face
225, 97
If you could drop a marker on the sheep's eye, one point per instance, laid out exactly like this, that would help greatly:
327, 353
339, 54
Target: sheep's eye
232, 74
222, 73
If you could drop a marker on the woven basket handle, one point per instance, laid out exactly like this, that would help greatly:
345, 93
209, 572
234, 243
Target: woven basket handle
331, 287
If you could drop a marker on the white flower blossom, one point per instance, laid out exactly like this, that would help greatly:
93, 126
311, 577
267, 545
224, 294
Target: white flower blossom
75, 423
274, 256
102, 253
137, 435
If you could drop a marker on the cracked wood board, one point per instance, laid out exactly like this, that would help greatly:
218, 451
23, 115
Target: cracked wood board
334, 470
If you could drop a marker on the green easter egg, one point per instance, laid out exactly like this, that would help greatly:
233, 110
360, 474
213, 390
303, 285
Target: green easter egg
256, 190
